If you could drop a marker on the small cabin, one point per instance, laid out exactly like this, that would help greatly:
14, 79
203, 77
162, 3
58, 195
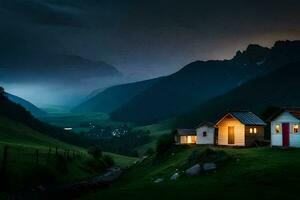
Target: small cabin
240, 128
205, 133
285, 128
185, 136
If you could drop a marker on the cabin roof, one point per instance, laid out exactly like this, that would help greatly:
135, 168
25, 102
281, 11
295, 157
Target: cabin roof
246, 118
208, 124
186, 131
295, 112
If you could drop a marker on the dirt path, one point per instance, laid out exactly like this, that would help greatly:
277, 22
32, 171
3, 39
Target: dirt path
72, 190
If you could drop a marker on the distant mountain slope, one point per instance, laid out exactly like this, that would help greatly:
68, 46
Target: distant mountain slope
27, 105
201, 81
113, 97
278, 88
53, 68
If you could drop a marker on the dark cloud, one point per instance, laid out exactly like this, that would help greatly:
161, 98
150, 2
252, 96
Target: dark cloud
159, 34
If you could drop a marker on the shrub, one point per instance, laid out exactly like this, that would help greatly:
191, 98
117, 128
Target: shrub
108, 160
61, 164
164, 143
96, 152
149, 152
95, 165
1, 91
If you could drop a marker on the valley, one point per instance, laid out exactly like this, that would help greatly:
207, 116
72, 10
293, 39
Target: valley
149, 100
131, 127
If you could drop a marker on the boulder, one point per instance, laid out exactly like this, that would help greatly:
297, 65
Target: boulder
209, 166
159, 180
194, 170
174, 176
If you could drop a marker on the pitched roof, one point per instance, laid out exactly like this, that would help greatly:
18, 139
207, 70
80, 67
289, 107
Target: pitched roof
295, 112
246, 118
186, 131
208, 124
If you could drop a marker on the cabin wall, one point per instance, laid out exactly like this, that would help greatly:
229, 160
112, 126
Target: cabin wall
251, 138
239, 131
210, 135
276, 138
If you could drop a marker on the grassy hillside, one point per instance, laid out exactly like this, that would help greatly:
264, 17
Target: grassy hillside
113, 97
24, 168
278, 88
256, 173
31, 157
27, 105
202, 81
12, 132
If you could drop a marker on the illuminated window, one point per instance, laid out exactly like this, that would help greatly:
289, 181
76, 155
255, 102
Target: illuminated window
255, 130
251, 130
204, 134
277, 128
183, 139
296, 128
191, 139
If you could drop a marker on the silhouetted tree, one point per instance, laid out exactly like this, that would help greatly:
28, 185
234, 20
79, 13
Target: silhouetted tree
1, 91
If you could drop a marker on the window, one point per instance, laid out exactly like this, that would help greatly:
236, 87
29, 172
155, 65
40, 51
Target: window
190, 139
253, 130
277, 128
296, 128
204, 134
182, 139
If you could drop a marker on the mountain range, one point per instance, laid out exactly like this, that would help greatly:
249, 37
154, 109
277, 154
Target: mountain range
113, 97
35, 111
196, 83
279, 88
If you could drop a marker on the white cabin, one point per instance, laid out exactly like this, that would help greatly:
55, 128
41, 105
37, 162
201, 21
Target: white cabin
205, 133
240, 128
185, 136
285, 128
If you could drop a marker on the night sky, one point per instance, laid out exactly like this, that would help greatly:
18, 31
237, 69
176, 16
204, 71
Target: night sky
144, 38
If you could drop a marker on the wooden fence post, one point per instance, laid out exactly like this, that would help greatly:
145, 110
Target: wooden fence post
3, 174
49, 154
37, 156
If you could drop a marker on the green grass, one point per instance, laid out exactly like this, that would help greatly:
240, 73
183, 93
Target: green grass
15, 133
256, 173
120, 160
156, 130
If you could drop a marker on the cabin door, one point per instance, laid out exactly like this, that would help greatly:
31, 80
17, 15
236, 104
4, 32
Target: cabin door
230, 135
285, 134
